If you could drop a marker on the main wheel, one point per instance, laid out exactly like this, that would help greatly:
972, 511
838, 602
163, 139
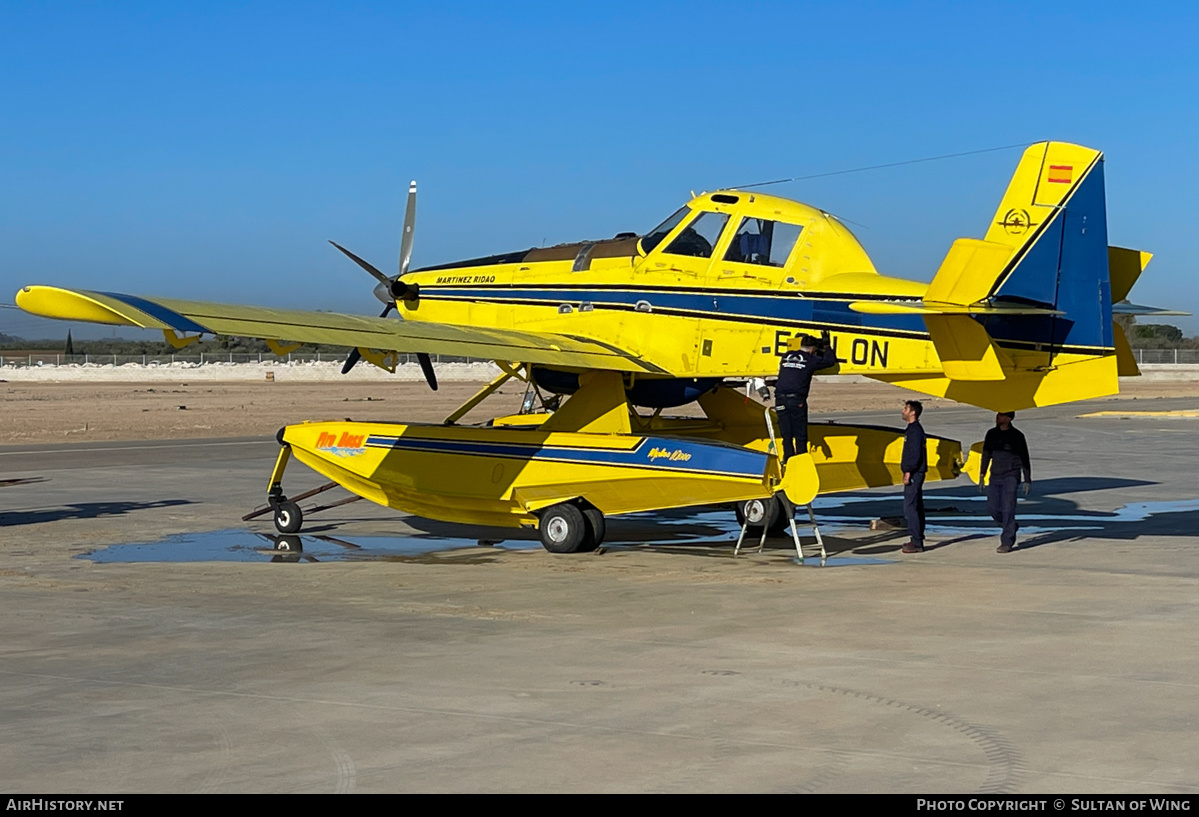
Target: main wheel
762, 513
288, 518
596, 528
563, 528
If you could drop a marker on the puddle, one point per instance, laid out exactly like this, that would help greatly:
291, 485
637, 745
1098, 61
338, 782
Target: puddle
707, 531
240, 545
966, 515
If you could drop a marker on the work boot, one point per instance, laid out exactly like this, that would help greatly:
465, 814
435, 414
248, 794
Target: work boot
1004, 549
912, 547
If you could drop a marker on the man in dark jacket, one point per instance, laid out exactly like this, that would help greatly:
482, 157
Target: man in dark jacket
914, 464
1005, 452
804, 357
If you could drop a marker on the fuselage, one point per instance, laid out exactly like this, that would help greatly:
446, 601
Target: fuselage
715, 291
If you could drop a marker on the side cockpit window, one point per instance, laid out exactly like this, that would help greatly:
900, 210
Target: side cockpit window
699, 237
764, 242
654, 237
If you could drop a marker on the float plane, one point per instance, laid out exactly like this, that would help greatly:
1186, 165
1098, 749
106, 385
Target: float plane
611, 332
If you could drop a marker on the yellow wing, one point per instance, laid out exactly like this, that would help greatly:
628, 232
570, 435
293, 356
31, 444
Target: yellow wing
326, 327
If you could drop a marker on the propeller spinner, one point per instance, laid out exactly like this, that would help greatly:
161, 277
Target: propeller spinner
389, 290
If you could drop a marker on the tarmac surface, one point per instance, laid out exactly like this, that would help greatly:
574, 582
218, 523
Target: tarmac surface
662, 664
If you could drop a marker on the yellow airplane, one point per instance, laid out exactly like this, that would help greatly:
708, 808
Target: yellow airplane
1020, 318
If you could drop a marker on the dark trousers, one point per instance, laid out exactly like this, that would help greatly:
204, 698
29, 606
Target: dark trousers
793, 423
1001, 504
913, 508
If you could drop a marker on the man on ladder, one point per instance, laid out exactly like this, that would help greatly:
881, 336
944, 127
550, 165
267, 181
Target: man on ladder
804, 357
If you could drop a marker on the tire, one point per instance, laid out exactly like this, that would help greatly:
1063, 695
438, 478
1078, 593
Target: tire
563, 528
762, 512
596, 528
288, 518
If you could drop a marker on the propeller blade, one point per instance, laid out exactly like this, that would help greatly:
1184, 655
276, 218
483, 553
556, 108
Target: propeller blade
409, 228
354, 356
380, 277
351, 360
426, 366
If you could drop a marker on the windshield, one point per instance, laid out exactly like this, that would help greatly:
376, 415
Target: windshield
654, 237
700, 236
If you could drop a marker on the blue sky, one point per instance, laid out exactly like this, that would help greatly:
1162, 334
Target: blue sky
209, 150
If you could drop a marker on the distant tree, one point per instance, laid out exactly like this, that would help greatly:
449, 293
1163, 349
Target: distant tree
70, 350
1163, 331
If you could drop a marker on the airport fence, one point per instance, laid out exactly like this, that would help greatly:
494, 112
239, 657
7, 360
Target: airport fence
46, 359
1167, 356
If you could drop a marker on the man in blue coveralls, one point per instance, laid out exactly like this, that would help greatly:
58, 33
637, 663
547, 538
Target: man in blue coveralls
914, 464
804, 357
1005, 451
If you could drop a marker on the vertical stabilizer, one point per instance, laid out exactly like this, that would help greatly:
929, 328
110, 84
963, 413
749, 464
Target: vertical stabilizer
1054, 217
1023, 317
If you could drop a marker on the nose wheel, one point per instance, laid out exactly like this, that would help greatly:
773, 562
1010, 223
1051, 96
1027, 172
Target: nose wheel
288, 517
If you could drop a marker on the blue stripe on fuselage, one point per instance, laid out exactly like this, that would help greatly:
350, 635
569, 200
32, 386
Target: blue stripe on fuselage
762, 308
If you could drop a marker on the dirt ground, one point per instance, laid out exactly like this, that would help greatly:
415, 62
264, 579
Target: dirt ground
32, 412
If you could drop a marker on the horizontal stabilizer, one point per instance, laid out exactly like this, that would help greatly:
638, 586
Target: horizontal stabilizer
1138, 309
925, 308
968, 271
1125, 267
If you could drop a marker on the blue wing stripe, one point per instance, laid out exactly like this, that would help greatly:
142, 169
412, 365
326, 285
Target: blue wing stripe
168, 316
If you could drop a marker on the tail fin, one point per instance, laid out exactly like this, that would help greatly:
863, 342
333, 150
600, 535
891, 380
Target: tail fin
1024, 317
1054, 218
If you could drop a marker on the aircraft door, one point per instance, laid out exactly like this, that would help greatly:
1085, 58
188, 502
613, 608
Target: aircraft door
759, 253
671, 282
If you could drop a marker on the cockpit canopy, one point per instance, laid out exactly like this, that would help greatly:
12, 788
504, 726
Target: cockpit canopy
763, 241
714, 232
766, 231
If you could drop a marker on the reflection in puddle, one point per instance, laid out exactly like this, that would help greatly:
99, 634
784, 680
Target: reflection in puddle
707, 531
240, 545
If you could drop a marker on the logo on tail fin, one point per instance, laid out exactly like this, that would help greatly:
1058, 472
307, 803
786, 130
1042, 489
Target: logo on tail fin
1016, 222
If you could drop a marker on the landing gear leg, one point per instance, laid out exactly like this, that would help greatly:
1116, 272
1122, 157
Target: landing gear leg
288, 518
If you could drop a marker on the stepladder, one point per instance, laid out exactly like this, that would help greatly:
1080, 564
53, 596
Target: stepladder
765, 512
757, 512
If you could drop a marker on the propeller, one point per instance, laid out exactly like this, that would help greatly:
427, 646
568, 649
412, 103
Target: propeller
389, 290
